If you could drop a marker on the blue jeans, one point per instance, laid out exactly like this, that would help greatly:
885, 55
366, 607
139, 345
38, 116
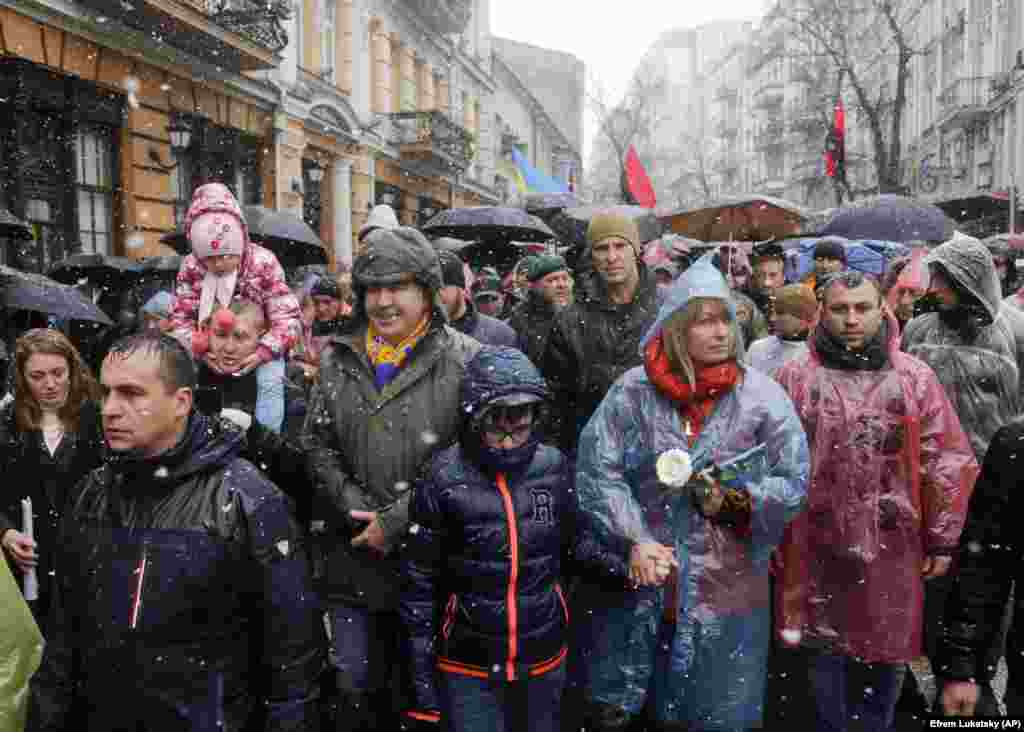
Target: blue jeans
470, 704
365, 646
270, 394
846, 689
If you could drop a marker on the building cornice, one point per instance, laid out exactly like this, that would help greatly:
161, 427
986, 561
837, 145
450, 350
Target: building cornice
111, 33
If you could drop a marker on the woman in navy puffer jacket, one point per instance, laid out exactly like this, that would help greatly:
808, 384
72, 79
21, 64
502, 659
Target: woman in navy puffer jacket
491, 519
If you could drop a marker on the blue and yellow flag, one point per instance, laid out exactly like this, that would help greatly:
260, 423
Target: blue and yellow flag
528, 179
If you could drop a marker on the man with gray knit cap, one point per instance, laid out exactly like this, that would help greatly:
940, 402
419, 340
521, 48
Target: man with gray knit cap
597, 339
387, 399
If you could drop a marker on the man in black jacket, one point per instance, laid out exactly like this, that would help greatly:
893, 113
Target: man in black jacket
990, 562
463, 314
550, 291
184, 599
597, 339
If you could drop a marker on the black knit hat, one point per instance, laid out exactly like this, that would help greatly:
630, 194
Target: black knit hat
453, 272
830, 249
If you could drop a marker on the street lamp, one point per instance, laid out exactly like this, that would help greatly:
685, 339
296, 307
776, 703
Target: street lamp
316, 172
180, 133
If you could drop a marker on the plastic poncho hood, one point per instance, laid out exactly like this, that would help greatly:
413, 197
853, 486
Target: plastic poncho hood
969, 262
702, 279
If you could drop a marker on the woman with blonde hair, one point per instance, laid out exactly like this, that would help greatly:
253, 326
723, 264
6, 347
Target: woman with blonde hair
50, 438
688, 471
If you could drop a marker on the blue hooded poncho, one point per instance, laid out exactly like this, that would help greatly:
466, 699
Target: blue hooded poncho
708, 670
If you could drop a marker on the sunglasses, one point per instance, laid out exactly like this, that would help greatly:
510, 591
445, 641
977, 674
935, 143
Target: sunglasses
509, 420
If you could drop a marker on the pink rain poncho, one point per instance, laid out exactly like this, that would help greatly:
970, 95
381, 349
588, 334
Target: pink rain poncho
891, 475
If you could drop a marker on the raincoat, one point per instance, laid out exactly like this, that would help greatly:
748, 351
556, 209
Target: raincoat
770, 354
260, 280
891, 475
184, 599
489, 331
980, 372
21, 648
710, 672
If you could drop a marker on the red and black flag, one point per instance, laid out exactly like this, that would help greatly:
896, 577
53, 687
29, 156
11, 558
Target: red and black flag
636, 186
835, 144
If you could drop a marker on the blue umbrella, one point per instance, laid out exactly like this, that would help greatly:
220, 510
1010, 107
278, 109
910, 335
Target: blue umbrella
870, 257
890, 218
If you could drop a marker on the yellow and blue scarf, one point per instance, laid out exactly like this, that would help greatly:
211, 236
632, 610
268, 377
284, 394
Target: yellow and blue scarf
387, 359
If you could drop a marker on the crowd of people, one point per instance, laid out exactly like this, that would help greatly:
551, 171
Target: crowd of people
417, 496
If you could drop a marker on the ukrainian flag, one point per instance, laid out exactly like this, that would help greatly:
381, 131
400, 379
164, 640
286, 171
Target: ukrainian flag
528, 179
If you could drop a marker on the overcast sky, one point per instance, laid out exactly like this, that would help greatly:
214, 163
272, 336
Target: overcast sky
609, 37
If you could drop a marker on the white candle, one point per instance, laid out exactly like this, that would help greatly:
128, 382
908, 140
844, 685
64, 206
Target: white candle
31, 579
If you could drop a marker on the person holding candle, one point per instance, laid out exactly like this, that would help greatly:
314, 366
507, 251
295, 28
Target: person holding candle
50, 438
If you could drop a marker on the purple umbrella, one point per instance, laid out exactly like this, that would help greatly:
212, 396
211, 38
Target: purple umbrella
488, 223
890, 217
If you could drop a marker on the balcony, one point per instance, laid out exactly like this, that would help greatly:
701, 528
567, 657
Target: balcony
430, 144
963, 103
239, 35
444, 16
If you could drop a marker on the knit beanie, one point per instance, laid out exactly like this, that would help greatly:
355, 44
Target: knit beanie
606, 225
453, 271
543, 265
796, 300
830, 249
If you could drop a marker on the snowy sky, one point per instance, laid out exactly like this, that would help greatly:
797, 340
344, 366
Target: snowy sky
609, 37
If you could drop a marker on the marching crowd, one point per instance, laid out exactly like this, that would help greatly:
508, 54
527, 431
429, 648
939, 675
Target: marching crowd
611, 498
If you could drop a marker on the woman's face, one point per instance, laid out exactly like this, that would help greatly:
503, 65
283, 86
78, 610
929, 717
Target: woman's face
49, 379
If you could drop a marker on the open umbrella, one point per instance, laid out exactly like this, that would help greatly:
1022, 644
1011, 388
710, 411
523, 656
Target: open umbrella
488, 223
750, 218
11, 227
571, 224
290, 238
889, 217
546, 205
28, 291
98, 269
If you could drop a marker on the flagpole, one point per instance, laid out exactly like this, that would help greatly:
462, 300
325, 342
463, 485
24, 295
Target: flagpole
1013, 204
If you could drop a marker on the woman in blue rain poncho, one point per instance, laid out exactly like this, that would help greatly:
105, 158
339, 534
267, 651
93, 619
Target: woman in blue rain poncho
691, 468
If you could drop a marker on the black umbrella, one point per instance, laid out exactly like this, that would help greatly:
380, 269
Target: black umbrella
488, 223
98, 269
546, 205
501, 255
572, 223
890, 217
29, 291
11, 227
290, 238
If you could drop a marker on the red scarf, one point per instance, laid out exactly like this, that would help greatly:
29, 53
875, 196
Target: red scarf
695, 402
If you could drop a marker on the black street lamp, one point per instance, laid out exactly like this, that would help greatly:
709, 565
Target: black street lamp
180, 133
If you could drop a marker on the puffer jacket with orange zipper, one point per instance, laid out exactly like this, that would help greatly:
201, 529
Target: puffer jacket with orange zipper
481, 592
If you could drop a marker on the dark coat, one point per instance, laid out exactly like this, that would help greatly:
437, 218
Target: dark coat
489, 331
365, 447
49, 480
532, 321
991, 558
184, 598
594, 342
489, 545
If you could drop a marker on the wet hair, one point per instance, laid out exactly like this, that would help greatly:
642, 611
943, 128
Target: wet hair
177, 370
82, 386
850, 279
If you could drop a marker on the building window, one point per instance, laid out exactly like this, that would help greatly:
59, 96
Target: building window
94, 181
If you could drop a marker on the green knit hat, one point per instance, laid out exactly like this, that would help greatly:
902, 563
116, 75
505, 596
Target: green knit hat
607, 225
543, 265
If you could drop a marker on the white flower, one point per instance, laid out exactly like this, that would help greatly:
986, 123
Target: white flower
674, 468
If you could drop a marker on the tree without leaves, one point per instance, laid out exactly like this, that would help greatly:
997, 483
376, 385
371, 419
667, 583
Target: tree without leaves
633, 121
867, 44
